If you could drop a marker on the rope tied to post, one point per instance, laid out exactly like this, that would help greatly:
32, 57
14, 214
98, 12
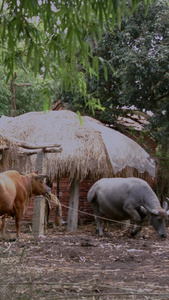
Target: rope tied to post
54, 199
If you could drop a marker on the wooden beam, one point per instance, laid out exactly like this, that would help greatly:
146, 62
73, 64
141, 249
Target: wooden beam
31, 146
22, 151
73, 206
3, 147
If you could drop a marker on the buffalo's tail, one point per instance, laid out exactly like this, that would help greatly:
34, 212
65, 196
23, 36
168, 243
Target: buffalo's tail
91, 196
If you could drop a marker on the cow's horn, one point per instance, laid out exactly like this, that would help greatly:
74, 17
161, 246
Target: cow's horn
167, 199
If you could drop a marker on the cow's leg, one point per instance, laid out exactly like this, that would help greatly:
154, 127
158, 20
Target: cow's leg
97, 215
47, 212
18, 224
133, 213
18, 216
57, 220
3, 222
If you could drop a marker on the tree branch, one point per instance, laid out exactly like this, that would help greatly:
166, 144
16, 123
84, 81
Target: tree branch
23, 84
162, 97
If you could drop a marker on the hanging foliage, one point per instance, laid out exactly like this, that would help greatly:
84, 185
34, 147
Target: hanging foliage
53, 36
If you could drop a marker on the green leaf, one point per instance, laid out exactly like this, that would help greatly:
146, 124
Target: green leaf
105, 72
80, 118
21, 64
119, 17
8, 76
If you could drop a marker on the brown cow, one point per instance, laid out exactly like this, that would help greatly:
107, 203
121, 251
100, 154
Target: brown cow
15, 191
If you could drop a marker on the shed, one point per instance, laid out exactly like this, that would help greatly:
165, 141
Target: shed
89, 150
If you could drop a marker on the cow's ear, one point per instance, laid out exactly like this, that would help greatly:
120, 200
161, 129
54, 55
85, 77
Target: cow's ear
41, 176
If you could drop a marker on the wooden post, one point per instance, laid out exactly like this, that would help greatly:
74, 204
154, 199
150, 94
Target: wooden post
73, 206
38, 216
39, 201
58, 182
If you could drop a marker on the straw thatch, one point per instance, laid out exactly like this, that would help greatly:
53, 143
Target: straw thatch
91, 150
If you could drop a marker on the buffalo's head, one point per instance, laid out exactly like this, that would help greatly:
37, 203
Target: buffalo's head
158, 217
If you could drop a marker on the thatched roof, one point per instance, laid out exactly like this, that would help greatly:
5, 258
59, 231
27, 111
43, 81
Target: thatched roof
93, 150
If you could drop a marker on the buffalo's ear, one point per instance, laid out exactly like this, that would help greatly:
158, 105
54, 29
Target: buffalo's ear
144, 210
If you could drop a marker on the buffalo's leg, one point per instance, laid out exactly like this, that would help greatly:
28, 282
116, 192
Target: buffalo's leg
136, 230
133, 213
99, 225
97, 215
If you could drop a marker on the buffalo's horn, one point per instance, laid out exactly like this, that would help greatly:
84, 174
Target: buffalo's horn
165, 205
152, 210
167, 199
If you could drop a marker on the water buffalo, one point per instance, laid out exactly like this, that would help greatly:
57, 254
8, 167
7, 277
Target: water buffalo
127, 198
15, 190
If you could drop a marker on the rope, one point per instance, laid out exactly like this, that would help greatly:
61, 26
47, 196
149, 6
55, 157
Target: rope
92, 215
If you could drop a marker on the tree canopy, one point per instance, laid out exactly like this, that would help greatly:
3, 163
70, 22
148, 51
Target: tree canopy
54, 36
137, 58
28, 93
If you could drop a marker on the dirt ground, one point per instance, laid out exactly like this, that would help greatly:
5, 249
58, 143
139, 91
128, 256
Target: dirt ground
81, 265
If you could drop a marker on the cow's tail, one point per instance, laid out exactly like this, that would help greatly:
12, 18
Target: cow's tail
91, 196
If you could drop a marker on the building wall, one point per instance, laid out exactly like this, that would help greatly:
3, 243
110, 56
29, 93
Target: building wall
64, 190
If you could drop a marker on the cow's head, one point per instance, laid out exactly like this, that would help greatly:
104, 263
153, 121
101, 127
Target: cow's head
38, 186
158, 219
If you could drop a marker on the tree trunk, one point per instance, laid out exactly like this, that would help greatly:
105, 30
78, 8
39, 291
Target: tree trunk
73, 206
12, 104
